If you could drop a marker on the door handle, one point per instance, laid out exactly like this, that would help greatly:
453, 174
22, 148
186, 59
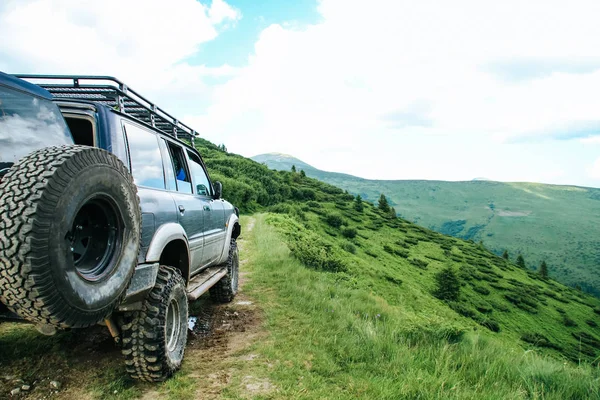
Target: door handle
207, 208
181, 208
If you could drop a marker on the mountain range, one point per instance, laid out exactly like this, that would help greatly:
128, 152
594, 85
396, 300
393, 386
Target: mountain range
553, 223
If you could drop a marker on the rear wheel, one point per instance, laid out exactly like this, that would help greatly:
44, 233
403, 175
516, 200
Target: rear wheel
154, 338
69, 235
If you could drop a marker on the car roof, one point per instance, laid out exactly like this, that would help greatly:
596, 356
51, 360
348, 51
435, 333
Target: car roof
24, 86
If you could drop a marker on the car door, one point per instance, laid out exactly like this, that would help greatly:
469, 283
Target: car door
214, 224
190, 210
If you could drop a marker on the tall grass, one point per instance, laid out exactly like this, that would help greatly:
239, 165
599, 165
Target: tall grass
332, 339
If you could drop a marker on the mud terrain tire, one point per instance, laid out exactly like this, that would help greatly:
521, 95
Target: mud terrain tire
69, 235
154, 338
225, 290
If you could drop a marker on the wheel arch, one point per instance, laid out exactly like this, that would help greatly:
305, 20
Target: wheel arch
169, 246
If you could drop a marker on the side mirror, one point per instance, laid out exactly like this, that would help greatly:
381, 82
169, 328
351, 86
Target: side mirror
218, 186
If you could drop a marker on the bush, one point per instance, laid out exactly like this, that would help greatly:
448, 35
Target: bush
313, 204
569, 322
419, 263
370, 253
591, 323
349, 247
462, 309
489, 323
350, 233
539, 340
334, 220
447, 284
597, 310
481, 289
315, 253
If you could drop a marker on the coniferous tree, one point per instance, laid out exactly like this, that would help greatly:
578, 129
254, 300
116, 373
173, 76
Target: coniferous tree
505, 255
521, 261
544, 270
302, 173
393, 213
383, 204
293, 168
358, 204
447, 284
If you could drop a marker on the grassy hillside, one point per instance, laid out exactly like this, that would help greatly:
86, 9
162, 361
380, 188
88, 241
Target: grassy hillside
351, 308
397, 260
559, 224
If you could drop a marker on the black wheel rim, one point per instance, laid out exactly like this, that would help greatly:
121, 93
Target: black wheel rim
95, 238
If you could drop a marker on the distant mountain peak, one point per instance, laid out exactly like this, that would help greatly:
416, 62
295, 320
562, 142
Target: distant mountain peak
481, 178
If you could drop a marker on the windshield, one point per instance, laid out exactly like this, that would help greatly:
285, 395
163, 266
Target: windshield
28, 123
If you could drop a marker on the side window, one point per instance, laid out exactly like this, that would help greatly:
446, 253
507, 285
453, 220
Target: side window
168, 164
200, 177
146, 160
182, 175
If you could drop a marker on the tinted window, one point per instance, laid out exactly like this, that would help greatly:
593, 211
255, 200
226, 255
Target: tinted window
200, 177
146, 161
27, 124
184, 182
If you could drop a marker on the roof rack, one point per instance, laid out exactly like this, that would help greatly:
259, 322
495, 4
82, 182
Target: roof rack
114, 94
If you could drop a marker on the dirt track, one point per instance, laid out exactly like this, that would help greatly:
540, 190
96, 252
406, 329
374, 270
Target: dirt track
75, 358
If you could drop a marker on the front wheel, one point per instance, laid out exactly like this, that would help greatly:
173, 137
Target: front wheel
225, 290
154, 338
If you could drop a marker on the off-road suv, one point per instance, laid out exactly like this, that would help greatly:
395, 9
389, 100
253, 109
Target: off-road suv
107, 217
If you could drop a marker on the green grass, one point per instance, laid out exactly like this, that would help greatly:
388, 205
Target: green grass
359, 335
559, 224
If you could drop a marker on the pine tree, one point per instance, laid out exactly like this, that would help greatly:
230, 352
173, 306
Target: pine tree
505, 255
293, 168
383, 204
447, 284
521, 261
302, 173
393, 213
358, 204
544, 270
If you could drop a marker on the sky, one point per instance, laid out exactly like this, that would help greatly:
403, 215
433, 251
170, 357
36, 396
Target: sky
386, 89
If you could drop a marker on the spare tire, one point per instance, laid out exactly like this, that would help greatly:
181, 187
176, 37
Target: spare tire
69, 235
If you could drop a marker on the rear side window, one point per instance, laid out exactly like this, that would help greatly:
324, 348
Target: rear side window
200, 177
146, 161
182, 175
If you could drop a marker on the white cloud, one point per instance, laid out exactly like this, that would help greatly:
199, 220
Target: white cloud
594, 170
381, 89
143, 42
325, 92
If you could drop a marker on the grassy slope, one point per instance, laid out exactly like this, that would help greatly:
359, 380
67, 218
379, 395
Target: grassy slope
560, 224
359, 335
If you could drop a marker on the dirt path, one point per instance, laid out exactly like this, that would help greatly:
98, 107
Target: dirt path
218, 340
87, 365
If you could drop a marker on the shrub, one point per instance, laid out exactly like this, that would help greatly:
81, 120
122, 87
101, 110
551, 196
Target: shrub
489, 323
481, 289
463, 310
313, 204
315, 253
447, 284
370, 253
539, 340
401, 253
350, 233
591, 323
484, 308
597, 310
334, 220
419, 263
393, 279
568, 322
349, 247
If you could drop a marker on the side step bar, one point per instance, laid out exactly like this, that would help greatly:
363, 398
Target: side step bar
204, 281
